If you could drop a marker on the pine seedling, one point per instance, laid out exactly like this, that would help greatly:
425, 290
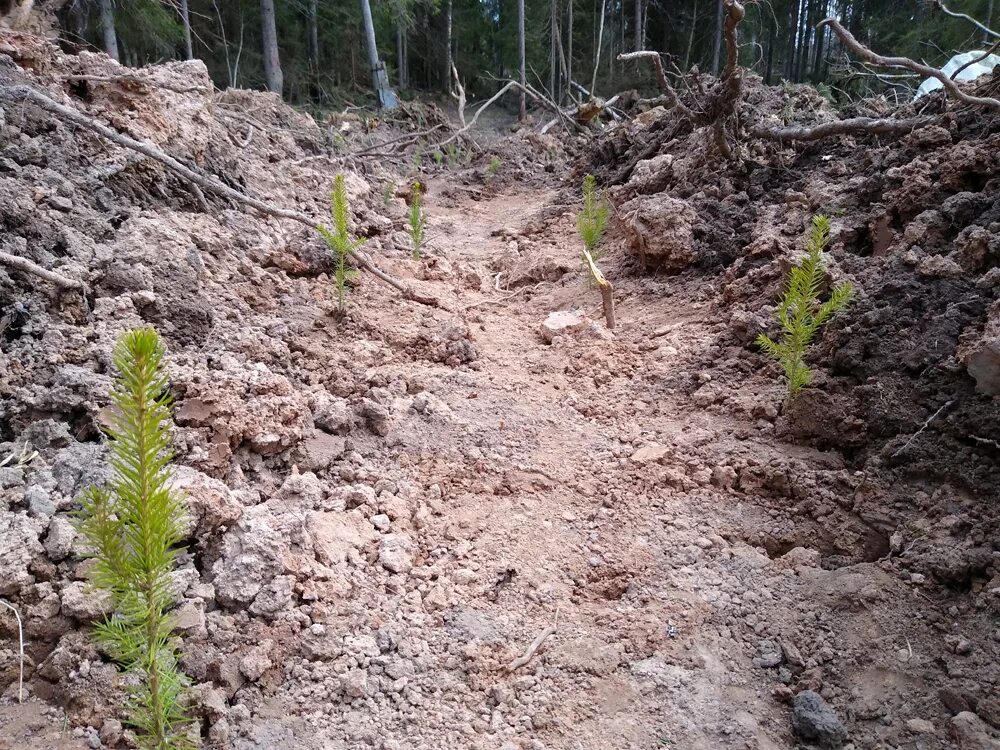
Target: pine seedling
133, 528
593, 219
339, 240
417, 220
800, 312
494, 167
591, 223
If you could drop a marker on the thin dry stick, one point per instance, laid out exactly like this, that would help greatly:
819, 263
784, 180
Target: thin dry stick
948, 12
214, 184
532, 648
20, 644
923, 427
23, 264
408, 138
975, 60
855, 126
862, 52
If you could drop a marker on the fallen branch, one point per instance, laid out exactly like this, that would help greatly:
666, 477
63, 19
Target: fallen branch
403, 140
854, 126
20, 644
213, 184
862, 52
530, 653
23, 264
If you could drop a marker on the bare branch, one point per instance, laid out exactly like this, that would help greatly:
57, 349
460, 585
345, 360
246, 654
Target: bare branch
459, 94
211, 183
862, 52
23, 264
948, 12
974, 61
855, 126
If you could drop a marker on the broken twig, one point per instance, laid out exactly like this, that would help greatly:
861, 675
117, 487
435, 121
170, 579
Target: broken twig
529, 654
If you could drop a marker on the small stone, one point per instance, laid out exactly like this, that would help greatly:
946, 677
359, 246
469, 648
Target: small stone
381, 522
83, 602
724, 477
651, 454
920, 726
971, 733
560, 323
60, 203
59, 541
257, 660
355, 683
814, 721
111, 732
396, 553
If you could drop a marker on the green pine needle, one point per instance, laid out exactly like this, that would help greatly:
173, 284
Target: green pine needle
593, 218
134, 527
417, 220
801, 314
339, 240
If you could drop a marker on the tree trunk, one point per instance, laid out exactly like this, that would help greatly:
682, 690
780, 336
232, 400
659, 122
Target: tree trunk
690, 44
522, 110
770, 55
820, 45
987, 39
186, 23
717, 45
401, 54
597, 49
108, 28
447, 54
569, 52
802, 56
314, 35
793, 28
553, 58
269, 40
380, 82
638, 25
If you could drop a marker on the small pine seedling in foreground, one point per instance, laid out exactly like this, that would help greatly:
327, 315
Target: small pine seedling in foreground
494, 167
340, 241
416, 219
800, 312
591, 223
133, 527
593, 219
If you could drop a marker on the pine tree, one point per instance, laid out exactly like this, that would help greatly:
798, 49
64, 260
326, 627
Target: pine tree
134, 527
800, 312
339, 240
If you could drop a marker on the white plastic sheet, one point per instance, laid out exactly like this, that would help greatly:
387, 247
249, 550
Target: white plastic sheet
983, 67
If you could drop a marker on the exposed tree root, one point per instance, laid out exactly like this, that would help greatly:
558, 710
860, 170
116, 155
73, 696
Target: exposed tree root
855, 126
532, 649
211, 183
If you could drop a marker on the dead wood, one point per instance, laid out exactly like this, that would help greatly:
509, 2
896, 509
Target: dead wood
458, 94
661, 77
854, 126
532, 649
25, 265
605, 287
211, 183
865, 54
